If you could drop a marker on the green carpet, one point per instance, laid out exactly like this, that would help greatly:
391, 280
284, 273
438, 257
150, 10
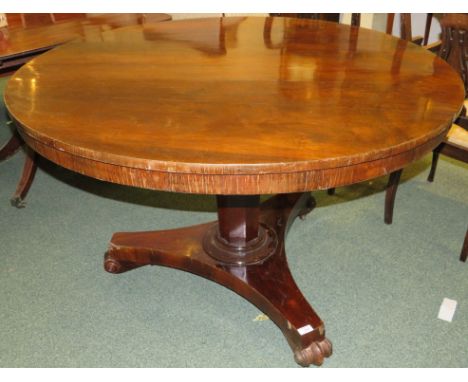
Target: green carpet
378, 288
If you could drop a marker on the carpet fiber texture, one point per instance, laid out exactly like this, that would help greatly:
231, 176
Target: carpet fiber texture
378, 288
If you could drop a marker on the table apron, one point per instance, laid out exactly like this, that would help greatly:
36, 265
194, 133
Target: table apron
232, 184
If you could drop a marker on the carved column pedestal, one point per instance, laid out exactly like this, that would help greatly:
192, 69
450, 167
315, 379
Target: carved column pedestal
244, 251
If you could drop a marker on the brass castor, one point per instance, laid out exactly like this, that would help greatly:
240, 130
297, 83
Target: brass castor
17, 202
314, 354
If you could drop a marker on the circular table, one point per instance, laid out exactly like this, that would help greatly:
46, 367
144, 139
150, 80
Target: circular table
236, 107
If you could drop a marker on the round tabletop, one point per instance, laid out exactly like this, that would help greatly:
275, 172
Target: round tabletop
235, 105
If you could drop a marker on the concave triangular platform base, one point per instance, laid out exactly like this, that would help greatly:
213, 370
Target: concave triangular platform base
264, 279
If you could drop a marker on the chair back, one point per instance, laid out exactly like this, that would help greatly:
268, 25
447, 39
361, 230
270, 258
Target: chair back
454, 47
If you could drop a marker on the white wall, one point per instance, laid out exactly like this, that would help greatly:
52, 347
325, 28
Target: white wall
377, 21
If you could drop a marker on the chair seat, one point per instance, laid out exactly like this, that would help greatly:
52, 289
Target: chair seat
458, 136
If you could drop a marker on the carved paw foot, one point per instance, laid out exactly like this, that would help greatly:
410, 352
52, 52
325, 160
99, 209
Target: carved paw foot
314, 354
310, 205
17, 202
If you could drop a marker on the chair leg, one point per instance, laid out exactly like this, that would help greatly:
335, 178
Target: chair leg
331, 191
390, 194
435, 159
27, 177
464, 252
427, 28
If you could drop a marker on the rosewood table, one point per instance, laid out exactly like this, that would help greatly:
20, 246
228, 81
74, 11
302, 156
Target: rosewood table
236, 107
20, 43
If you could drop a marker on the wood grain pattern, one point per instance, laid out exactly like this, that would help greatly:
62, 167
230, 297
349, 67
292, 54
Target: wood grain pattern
214, 106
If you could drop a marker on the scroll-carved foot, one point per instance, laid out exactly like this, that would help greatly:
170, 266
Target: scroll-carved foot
265, 281
314, 354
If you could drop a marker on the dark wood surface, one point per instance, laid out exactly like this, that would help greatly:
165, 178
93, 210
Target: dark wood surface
406, 32
266, 282
27, 177
449, 149
464, 251
235, 116
390, 194
427, 28
11, 146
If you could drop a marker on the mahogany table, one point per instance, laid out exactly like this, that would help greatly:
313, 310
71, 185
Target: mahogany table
236, 107
20, 44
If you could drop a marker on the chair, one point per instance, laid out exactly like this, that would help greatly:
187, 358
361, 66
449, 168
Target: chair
454, 50
454, 146
37, 19
355, 18
405, 34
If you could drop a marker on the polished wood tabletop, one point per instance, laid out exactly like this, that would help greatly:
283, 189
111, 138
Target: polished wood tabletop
51, 30
235, 105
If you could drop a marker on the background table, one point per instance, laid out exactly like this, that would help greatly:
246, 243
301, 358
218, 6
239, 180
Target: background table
29, 35
19, 43
236, 107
